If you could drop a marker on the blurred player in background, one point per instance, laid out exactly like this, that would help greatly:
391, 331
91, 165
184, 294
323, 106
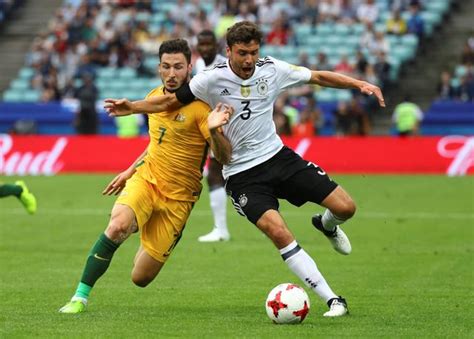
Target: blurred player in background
262, 170
159, 190
207, 48
19, 190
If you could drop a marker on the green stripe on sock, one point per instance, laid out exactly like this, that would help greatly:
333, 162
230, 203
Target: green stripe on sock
83, 290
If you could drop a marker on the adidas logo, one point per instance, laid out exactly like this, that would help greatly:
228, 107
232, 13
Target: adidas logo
225, 92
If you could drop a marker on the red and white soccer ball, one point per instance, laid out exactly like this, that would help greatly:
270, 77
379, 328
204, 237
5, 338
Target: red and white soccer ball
287, 304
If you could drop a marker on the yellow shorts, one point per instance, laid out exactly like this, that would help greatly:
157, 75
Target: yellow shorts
160, 220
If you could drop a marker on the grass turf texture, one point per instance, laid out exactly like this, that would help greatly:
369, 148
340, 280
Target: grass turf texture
410, 273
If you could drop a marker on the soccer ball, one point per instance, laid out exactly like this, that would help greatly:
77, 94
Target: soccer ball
287, 304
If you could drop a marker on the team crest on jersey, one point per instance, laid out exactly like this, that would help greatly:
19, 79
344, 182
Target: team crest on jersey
180, 117
243, 200
262, 86
245, 91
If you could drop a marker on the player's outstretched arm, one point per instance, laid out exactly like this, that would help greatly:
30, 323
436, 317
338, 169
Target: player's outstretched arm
220, 145
122, 107
337, 80
118, 183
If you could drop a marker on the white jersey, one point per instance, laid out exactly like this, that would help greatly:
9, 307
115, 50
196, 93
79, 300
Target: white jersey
201, 65
251, 130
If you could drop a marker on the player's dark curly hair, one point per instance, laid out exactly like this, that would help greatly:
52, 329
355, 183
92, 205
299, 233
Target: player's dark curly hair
243, 32
175, 46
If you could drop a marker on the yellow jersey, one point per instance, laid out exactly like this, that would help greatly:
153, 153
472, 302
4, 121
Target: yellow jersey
177, 151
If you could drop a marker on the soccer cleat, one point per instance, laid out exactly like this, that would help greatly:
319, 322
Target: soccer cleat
76, 305
215, 235
27, 198
337, 307
339, 240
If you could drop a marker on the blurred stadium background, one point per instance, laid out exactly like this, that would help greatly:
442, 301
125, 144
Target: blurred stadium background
417, 47
411, 271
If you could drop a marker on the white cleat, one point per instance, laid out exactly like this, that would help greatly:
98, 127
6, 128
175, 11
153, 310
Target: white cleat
214, 236
337, 307
339, 240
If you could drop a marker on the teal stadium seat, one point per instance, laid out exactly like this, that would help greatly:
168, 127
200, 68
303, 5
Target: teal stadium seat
324, 29
358, 29
12, 95
439, 7
326, 95
26, 73
341, 29
409, 40
31, 96
119, 84
431, 18
127, 73
303, 31
343, 95
106, 72
143, 16
20, 84
460, 71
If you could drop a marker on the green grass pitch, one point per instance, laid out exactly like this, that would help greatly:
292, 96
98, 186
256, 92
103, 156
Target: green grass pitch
410, 273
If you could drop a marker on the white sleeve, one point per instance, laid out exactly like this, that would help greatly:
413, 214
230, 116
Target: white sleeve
290, 75
199, 85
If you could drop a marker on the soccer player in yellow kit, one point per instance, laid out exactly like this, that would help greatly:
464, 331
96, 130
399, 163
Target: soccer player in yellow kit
158, 191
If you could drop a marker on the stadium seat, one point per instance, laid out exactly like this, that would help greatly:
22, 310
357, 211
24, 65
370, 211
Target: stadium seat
409, 40
431, 18
12, 95
26, 73
326, 95
438, 7
31, 96
127, 73
106, 72
343, 95
460, 71
324, 29
20, 84
303, 32
342, 29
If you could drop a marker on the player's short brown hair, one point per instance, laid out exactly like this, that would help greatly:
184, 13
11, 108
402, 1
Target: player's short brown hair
175, 46
243, 32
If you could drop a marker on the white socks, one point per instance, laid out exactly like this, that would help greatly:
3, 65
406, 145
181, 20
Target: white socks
305, 268
218, 198
330, 221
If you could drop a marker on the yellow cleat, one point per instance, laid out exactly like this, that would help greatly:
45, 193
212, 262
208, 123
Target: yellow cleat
27, 198
73, 307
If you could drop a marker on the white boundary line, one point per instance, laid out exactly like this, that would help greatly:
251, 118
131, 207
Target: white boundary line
294, 213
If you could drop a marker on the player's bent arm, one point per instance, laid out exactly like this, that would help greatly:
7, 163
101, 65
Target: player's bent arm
337, 80
220, 146
118, 183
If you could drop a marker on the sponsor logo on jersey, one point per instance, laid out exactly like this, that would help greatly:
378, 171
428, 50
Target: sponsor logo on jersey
225, 91
245, 91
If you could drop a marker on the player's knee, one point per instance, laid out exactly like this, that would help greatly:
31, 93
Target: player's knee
141, 280
279, 234
347, 209
118, 228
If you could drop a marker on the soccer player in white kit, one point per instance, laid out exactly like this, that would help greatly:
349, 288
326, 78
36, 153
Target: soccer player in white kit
207, 49
262, 170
